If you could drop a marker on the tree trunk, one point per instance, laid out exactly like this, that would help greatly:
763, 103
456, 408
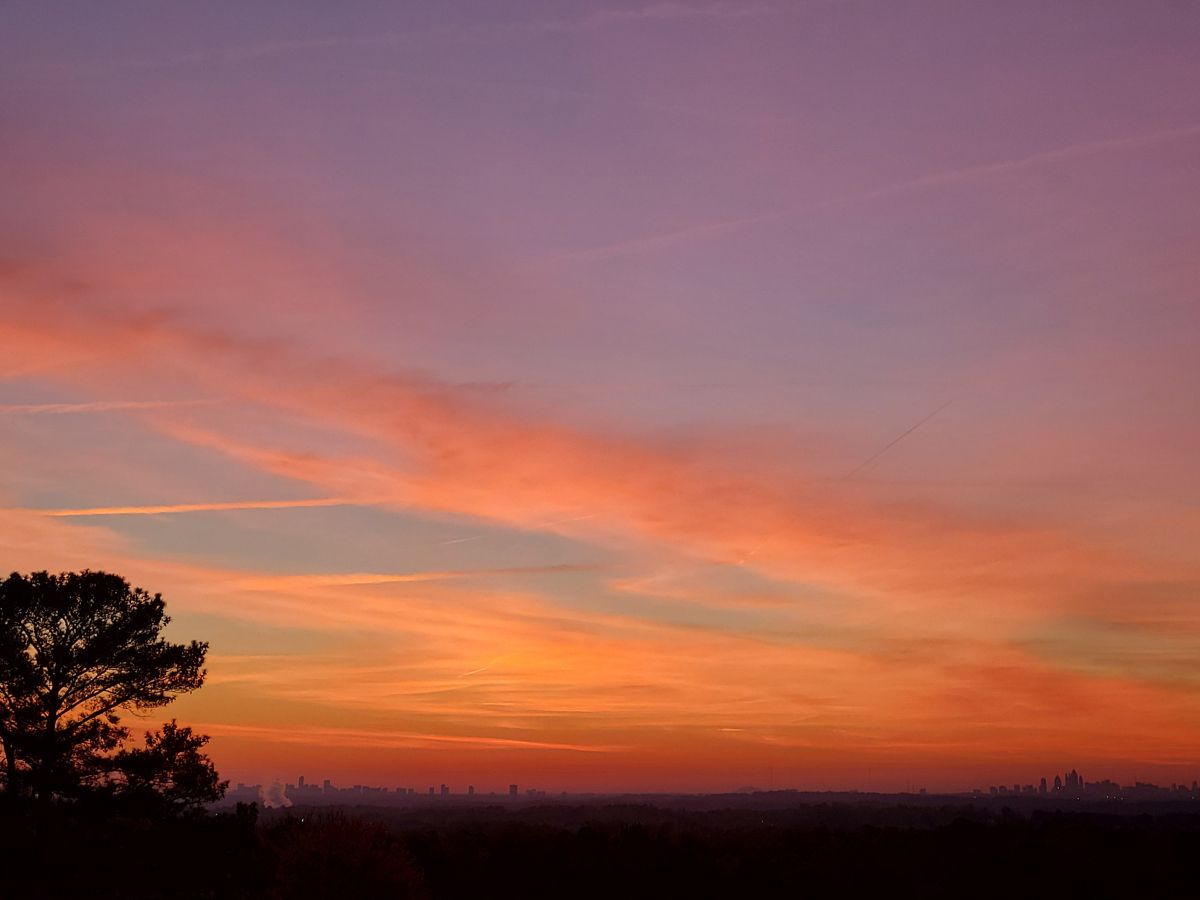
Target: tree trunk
47, 763
11, 787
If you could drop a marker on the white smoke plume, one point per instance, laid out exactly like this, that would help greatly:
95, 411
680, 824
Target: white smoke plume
273, 797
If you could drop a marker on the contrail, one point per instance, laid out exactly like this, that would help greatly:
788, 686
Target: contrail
648, 244
474, 671
277, 582
899, 439
199, 507
531, 528
564, 521
658, 12
30, 409
325, 736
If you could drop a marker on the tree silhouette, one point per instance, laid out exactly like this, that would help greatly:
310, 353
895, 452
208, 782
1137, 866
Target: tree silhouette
170, 774
76, 649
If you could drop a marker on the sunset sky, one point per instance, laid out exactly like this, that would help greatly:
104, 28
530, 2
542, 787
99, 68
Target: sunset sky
605, 396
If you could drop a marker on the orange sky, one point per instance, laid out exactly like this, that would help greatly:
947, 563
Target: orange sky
600, 402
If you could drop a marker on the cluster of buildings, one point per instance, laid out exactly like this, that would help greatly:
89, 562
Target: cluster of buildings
1073, 785
304, 791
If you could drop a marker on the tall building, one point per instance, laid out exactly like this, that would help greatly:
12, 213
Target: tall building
512, 790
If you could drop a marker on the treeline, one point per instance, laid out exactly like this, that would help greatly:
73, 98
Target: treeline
1046, 857
75, 852
82, 850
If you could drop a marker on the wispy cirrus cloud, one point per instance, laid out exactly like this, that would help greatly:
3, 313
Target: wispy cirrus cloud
466, 456
558, 679
392, 39
915, 643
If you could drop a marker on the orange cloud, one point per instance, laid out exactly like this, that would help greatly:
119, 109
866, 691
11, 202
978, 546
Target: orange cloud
918, 654
194, 507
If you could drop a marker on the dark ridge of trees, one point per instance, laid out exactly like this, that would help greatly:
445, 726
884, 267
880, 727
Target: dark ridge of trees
68, 851
333, 856
76, 651
81, 850
1050, 857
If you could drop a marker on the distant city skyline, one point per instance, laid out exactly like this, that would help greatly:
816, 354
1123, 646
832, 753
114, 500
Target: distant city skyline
1066, 786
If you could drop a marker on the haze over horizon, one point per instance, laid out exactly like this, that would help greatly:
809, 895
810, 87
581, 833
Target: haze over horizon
622, 396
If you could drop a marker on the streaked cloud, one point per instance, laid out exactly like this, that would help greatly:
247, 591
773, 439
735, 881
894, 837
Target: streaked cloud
287, 582
197, 507
34, 409
420, 562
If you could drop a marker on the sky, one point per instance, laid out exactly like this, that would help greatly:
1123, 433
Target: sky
604, 397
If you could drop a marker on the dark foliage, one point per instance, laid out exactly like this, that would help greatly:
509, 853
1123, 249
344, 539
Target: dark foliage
168, 776
331, 857
66, 851
1048, 857
75, 650
72, 850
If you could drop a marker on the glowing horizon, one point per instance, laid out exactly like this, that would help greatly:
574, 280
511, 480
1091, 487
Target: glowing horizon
623, 396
